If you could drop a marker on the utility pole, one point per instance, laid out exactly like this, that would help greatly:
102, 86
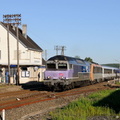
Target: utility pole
56, 48
62, 48
46, 55
8, 47
15, 20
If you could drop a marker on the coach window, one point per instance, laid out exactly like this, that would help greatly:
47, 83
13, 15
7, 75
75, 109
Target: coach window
97, 70
107, 71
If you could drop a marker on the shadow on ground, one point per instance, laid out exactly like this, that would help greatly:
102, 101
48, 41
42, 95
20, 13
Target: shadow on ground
34, 85
112, 101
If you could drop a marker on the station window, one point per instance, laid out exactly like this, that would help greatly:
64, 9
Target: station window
24, 68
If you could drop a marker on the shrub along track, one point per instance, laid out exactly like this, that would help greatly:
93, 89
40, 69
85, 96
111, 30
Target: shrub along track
16, 99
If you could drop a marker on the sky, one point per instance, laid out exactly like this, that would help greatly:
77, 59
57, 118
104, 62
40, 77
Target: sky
87, 28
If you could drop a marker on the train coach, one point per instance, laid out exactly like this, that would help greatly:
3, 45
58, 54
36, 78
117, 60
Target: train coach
65, 72
109, 73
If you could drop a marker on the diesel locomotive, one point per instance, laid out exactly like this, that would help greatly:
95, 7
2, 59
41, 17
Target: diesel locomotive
65, 72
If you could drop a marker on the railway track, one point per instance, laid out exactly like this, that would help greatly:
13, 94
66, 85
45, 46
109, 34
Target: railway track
16, 99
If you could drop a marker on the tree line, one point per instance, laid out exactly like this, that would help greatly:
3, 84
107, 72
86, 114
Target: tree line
91, 60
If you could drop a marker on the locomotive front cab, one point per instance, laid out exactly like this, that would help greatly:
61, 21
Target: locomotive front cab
56, 70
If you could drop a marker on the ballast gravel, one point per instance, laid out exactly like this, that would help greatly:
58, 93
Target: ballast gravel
39, 111
36, 111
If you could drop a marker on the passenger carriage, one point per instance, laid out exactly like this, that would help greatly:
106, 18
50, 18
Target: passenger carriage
109, 73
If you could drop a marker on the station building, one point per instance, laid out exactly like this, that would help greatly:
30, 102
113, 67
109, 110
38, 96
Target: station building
31, 66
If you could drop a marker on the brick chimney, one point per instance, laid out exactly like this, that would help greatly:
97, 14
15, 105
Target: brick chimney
24, 30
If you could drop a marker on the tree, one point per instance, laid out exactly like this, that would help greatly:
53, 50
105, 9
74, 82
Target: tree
88, 59
77, 56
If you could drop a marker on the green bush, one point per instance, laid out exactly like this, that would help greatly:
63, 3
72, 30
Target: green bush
93, 105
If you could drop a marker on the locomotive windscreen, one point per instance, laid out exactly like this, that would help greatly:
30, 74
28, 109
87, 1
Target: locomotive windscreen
51, 66
62, 66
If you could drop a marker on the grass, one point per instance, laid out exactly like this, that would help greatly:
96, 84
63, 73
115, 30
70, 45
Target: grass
118, 83
5, 85
102, 103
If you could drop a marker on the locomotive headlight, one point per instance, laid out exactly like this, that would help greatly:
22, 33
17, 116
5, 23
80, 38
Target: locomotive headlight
62, 78
48, 77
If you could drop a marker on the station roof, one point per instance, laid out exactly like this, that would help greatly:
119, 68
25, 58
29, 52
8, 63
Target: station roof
26, 41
